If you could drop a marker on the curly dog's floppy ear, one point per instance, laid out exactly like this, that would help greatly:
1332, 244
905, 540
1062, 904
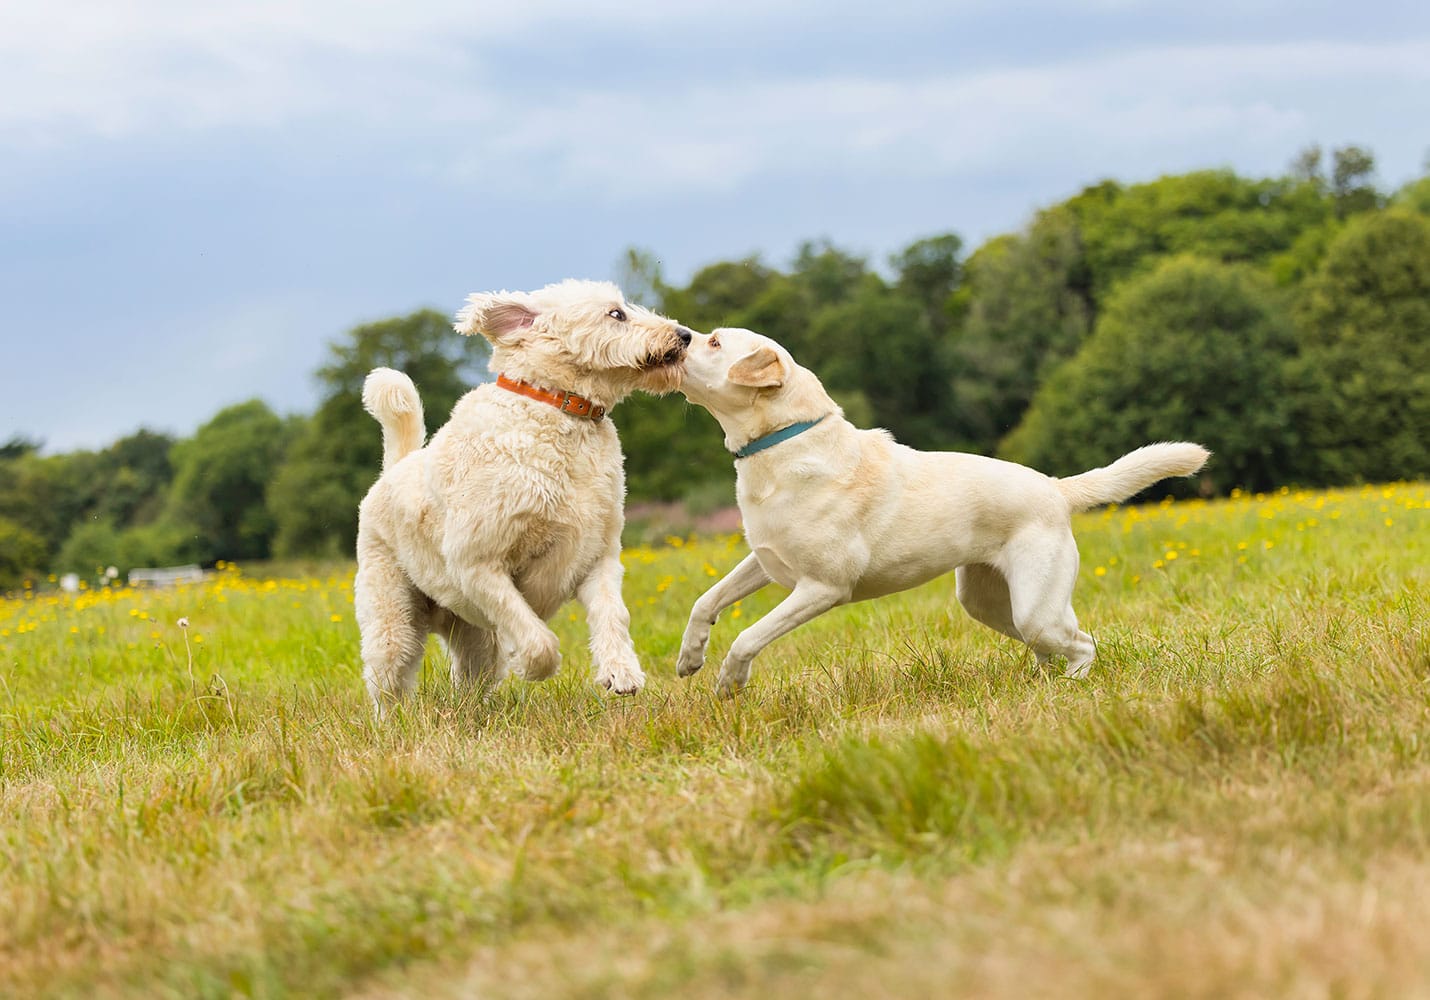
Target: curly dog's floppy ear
498, 316
761, 369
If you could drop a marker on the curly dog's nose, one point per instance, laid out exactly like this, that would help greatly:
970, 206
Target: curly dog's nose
684, 335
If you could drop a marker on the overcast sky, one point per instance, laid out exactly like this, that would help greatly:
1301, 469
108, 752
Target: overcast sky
196, 198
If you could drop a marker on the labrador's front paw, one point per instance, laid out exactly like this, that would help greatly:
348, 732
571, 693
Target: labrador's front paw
692, 655
734, 674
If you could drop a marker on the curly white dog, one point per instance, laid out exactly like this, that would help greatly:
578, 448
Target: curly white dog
516, 505
839, 514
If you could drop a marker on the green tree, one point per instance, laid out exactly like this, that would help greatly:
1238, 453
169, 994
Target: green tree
673, 449
18, 447
220, 476
822, 278
1352, 170
1364, 370
98, 543
827, 274
335, 457
879, 347
1195, 350
1024, 310
717, 293
442, 363
133, 474
1299, 261
1212, 213
23, 554
929, 272
1306, 167
782, 311
337, 453
1414, 196
47, 495
28, 494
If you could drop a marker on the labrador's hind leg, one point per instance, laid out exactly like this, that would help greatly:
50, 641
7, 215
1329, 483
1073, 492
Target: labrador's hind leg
1043, 570
983, 592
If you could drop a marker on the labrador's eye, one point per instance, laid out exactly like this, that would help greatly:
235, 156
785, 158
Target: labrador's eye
715, 343
617, 314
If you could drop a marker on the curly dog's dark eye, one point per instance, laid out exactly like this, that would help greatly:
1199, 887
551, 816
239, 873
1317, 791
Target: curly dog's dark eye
617, 314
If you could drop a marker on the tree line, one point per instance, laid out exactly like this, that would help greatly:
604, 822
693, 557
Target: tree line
1284, 322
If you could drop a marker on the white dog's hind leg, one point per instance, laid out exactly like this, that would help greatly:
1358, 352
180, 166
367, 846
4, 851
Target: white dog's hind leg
1079, 667
984, 595
742, 581
612, 650
1040, 588
807, 601
983, 592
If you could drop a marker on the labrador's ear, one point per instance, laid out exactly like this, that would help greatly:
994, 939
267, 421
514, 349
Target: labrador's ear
498, 316
760, 369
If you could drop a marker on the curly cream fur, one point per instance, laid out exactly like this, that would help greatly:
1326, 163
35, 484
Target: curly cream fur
513, 508
392, 400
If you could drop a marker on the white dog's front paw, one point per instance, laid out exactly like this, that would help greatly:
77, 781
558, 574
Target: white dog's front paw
734, 674
623, 678
692, 655
536, 659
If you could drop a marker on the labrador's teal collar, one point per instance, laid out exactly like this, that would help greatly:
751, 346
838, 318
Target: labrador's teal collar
775, 437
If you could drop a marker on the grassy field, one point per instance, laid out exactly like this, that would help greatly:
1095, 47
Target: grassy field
1236, 803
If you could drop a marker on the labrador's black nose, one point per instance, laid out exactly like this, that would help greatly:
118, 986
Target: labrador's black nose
684, 335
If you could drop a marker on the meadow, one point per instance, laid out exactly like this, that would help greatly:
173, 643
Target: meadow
195, 801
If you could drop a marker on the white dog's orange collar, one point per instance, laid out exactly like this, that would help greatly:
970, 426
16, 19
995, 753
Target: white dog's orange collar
566, 402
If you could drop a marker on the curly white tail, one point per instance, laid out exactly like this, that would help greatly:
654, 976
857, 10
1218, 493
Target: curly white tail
391, 397
1131, 473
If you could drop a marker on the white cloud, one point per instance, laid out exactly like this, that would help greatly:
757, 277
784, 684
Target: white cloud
1206, 101
124, 67
412, 75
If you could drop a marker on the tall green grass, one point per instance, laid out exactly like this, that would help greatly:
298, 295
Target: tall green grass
902, 803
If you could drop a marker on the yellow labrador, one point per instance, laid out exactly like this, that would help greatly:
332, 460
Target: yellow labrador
838, 514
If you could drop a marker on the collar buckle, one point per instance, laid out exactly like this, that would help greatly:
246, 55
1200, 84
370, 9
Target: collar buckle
580, 406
